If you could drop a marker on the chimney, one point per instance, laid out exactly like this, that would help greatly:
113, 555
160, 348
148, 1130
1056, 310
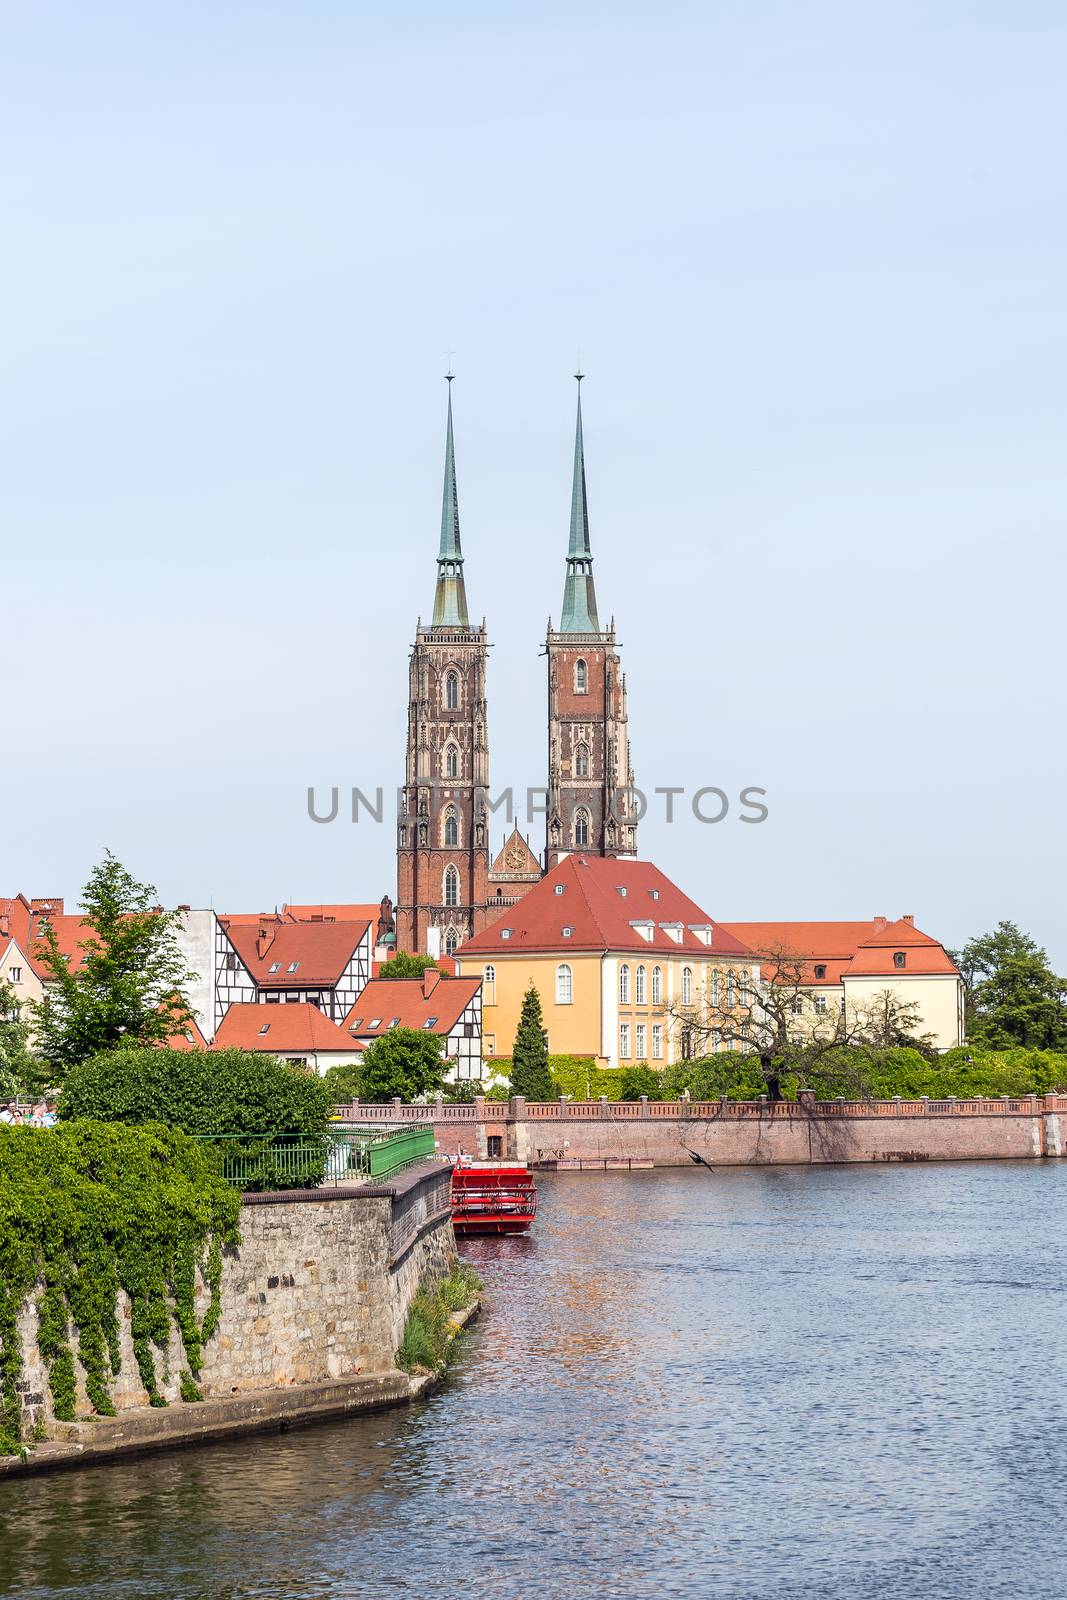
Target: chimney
881, 922
264, 938
5, 925
185, 908
430, 979
909, 919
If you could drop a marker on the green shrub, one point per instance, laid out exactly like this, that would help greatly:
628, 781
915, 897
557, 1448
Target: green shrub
87, 1208
428, 1332
198, 1091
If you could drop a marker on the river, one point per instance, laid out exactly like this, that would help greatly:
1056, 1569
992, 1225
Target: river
819, 1383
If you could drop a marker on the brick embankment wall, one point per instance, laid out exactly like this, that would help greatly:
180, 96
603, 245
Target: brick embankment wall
748, 1134
318, 1289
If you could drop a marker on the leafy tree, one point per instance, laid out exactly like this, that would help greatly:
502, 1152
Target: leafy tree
198, 1091
892, 1023
405, 1062
344, 1082
129, 983
403, 965
1013, 996
21, 1071
529, 1059
636, 1081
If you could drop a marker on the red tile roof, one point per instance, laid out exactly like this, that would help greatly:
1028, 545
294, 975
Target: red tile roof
188, 1038
297, 1026
858, 949
330, 913
321, 950
601, 916
403, 999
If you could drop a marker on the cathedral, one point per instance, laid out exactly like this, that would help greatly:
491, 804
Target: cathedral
448, 889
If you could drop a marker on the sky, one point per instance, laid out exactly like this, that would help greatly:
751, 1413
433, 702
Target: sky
812, 260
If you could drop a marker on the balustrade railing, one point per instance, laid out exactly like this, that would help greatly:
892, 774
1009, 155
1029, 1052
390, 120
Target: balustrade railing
396, 1115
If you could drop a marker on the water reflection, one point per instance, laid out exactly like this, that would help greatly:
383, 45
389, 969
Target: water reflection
813, 1383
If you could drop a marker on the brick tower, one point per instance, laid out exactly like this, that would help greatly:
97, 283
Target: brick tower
590, 780
442, 845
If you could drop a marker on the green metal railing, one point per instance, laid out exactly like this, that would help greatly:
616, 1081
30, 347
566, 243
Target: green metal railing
341, 1155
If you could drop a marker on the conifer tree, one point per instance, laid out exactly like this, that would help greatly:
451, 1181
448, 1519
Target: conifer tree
529, 1058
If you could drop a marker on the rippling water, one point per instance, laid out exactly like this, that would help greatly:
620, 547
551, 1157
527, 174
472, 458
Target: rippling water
820, 1383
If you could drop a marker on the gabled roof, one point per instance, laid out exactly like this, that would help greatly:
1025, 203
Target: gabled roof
24, 920
297, 1026
188, 1038
333, 913
403, 1002
516, 860
848, 949
606, 902
317, 952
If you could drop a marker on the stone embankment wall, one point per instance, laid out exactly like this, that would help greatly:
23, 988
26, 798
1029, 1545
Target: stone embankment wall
744, 1134
319, 1289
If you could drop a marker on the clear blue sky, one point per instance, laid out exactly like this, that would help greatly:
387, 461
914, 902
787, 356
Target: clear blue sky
813, 259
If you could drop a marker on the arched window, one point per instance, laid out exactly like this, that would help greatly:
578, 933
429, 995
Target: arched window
624, 984
714, 986
657, 986
451, 887
639, 986
452, 691
580, 677
489, 975
451, 762
581, 828
581, 761
687, 986
451, 941
731, 987
564, 985
451, 827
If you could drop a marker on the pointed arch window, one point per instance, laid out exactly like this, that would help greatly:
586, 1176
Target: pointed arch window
451, 886
624, 985
452, 691
657, 986
639, 987
451, 941
451, 761
581, 761
581, 677
687, 986
731, 987
564, 984
581, 828
451, 827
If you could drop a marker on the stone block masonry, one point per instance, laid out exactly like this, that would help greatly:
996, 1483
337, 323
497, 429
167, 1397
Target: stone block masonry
318, 1291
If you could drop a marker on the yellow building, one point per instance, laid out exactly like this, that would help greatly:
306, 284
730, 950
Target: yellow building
614, 948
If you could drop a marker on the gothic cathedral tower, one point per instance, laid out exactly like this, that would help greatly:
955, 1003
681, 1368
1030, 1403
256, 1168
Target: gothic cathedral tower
442, 856
590, 781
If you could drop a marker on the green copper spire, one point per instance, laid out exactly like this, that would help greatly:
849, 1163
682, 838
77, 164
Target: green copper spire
579, 596
450, 600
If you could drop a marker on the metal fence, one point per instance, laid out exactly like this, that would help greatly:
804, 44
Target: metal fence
341, 1155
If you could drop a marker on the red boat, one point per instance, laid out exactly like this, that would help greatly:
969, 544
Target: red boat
492, 1197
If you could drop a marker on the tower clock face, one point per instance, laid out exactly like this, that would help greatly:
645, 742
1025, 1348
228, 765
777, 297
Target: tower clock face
515, 858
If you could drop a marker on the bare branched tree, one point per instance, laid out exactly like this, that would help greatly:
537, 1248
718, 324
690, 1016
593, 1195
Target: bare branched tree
794, 1027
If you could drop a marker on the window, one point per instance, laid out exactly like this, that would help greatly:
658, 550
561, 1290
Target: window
14, 974
431, 1022
451, 886
624, 985
231, 962
687, 1044
451, 941
490, 1044
639, 990
796, 1006
394, 1022
622, 889
265, 1029
564, 985
580, 677
657, 986
581, 761
657, 1041
292, 966
820, 969
654, 893
731, 987
560, 888
275, 966
624, 1039
452, 691
715, 986
451, 827
820, 1005
451, 762
567, 932
639, 1040
687, 987
505, 933
355, 1025
489, 975
899, 959
375, 1022
581, 828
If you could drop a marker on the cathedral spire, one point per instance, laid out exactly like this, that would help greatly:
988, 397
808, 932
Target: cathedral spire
579, 596
450, 600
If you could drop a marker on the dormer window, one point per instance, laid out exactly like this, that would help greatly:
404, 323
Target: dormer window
899, 959
622, 889
559, 888
567, 932
505, 933
820, 969
654, 893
